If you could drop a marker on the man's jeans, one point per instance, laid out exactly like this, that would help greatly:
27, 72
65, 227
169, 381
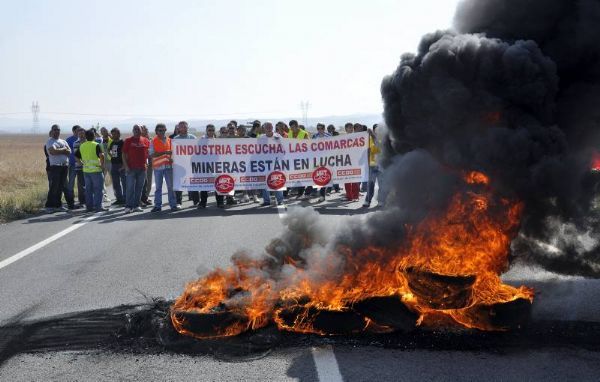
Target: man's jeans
373, 174
94, 181
119, 180
135, 184
167, 173
57, 185
75, 174
267, 196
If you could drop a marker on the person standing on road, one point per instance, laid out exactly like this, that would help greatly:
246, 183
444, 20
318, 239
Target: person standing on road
47, 161
373, 168
321, 133
352, 189
247, 194
280, 128
162, 164
79, 167
183, 134
210, 134
92, 158
135, 162
58, 160
106, 139
297, 133
117, 171
175, 131
266, 194
72, 165
148, 183
230, 200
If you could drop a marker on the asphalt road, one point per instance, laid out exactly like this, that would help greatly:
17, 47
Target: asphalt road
114, 259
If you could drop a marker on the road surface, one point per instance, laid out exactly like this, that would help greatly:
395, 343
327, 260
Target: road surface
61, 270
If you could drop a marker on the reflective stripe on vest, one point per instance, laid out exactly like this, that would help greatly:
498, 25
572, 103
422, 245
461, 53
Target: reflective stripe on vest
91, 162
160, 146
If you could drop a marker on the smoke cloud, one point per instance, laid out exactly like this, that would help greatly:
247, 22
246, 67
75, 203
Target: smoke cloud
513, 92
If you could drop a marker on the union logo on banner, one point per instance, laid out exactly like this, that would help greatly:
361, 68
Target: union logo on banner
276, 180
321, 176
224, 184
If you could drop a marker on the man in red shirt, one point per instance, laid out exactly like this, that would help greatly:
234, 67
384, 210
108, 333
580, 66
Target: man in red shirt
135, 162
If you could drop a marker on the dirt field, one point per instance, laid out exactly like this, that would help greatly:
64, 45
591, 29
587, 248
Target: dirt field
23, 182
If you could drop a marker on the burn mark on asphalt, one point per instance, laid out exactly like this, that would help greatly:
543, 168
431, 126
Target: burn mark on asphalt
146, 329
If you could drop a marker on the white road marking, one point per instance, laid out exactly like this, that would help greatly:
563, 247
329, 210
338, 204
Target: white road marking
43, 243
282, 210
327, 367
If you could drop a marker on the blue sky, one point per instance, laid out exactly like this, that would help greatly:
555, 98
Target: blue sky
206, 59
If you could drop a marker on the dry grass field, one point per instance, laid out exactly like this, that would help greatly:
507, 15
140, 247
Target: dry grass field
23, 181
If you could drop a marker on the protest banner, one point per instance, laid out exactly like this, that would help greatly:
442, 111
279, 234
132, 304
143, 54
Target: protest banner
228, 164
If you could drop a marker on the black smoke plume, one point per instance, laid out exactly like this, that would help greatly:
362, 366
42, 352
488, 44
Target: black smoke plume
513, 91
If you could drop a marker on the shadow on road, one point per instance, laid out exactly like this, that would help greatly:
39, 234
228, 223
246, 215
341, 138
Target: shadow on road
336, 208
146, 329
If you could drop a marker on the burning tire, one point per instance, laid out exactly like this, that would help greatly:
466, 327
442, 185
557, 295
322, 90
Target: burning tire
387, 311
209, 325
320, 321
440, 291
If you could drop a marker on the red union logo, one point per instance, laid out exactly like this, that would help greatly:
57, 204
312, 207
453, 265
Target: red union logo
321, 176
224, 184
276, 180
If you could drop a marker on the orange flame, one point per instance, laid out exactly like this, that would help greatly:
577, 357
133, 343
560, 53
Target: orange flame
469, 242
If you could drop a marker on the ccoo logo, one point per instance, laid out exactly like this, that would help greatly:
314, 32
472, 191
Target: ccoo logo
321, 176
276, 180
224, 184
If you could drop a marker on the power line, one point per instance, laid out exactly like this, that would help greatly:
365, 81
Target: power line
148, 115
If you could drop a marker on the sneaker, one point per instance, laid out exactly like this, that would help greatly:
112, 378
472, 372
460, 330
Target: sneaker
201, 206
156, 209
245, 199
231, 202
265, 204
74, 207
321, 199
280, 203
366, 205
106, 198
176, 208
255, 199
49, 210
128, 210
138, 209
102, 209
146, 202
61, 209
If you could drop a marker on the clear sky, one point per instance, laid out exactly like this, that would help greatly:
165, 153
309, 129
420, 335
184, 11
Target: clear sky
211, 59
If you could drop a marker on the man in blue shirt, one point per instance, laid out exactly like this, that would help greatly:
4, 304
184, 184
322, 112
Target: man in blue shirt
72, 167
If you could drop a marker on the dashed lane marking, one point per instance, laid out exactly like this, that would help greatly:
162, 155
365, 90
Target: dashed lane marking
43, 243
327, 366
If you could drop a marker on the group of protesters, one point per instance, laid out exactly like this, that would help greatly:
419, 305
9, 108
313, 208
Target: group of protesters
88, 156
